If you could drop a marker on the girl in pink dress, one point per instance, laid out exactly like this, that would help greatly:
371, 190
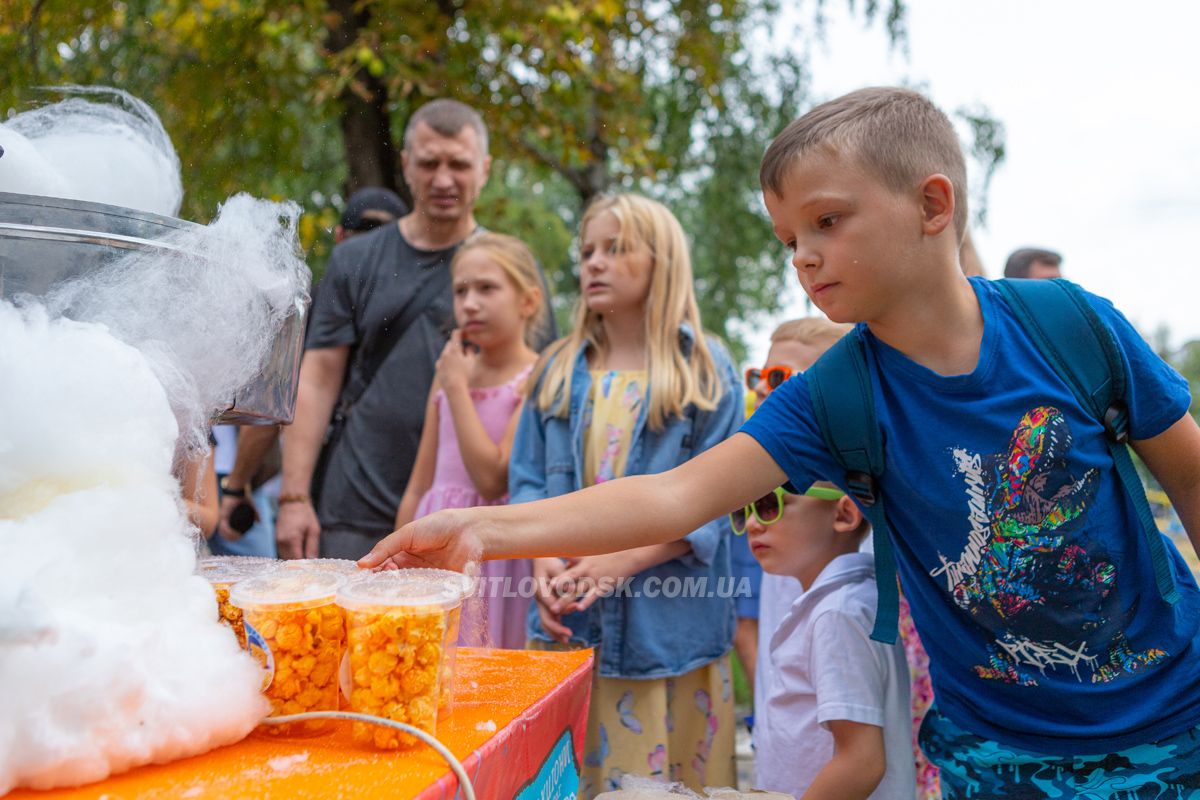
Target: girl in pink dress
462, 460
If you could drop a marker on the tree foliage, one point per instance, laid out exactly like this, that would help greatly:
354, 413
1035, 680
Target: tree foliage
1187, 360
307, 99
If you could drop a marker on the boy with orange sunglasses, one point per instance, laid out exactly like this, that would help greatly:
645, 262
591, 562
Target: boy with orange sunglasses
795, 346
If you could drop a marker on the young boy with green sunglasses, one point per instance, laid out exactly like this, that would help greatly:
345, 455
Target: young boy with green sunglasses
826, 684
767, 509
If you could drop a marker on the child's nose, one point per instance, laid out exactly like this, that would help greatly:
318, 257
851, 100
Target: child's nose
805, 258
595, 260
761, 390
753, 526
470, 300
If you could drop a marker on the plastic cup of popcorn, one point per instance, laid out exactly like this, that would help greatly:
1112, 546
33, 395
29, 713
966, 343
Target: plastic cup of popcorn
296, 631
401, 632
222, 572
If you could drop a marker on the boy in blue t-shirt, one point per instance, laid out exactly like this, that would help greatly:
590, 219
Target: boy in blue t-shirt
1054, 658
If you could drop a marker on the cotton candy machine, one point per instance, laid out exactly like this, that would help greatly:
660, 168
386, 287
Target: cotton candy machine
46, 241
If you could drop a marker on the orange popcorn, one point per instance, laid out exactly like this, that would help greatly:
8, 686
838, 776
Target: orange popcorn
297, 633
387, 685
230, 614
222, 572
401, 634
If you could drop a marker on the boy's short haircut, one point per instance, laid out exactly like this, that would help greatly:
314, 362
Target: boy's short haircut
447, 118
1021, 261
896, 134
815, 331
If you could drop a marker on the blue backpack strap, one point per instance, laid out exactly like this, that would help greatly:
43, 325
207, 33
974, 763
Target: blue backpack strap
840, 386
1083, 351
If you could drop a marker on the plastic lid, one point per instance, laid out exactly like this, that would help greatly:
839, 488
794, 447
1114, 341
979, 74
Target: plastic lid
406, 588
286, 588
226, 569
342, 566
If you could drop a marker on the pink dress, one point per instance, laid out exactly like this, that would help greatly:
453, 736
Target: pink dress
496, 615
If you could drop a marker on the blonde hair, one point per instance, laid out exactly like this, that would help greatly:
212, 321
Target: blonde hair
814, 331
896, 134
676, 381
516, 259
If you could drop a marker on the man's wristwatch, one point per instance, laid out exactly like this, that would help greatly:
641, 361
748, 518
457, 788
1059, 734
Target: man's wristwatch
228, 491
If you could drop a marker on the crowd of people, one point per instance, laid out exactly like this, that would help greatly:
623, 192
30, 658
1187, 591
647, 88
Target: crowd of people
440, 420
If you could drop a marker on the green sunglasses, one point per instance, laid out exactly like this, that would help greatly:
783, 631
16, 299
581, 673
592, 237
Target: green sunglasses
768, 509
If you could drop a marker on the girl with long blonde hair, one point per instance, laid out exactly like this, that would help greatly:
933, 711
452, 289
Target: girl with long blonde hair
636, 388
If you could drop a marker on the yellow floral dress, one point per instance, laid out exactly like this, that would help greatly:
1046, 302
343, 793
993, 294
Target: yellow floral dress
677, 729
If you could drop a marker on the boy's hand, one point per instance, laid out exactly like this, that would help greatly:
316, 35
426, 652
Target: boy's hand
445, 540
454, 365
858, 764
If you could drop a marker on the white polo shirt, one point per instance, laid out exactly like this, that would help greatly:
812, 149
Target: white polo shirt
824, 666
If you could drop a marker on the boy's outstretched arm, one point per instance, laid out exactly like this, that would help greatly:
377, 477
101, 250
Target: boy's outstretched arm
617, 515
857, 766
1173, 457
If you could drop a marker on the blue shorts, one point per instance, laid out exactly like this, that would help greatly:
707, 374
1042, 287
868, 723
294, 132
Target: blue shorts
972, 767
745, 565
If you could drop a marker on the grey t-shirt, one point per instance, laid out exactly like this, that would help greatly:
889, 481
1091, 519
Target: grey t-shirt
369, 281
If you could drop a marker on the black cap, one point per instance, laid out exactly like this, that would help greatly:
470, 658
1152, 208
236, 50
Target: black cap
384, 202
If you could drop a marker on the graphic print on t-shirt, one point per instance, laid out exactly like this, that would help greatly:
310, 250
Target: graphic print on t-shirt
1027, 574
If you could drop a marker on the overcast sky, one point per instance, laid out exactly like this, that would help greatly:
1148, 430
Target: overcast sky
1099, 102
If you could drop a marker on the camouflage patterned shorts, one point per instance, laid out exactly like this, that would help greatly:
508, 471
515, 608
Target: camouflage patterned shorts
972, 767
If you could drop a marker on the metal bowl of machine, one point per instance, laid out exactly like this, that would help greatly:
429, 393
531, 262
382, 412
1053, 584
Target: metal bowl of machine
45, 241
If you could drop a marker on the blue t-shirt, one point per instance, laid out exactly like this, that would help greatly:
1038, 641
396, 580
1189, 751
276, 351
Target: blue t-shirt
1018, 549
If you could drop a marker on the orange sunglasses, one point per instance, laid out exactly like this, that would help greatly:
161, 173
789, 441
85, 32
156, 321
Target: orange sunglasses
774, 376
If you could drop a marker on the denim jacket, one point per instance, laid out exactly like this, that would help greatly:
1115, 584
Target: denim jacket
649, 629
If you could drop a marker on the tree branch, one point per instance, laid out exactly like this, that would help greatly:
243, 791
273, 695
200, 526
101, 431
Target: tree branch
365, 121
31, 33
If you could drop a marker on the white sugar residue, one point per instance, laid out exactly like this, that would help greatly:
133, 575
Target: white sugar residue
487, 727
286, 763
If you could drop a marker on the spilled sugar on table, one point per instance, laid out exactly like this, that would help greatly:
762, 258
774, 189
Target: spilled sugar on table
517, 726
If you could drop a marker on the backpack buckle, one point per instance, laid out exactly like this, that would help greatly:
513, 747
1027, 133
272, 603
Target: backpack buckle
862, 486
1116, 423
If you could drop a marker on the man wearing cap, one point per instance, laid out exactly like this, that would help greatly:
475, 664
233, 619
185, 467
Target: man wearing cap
378, 324
367, 209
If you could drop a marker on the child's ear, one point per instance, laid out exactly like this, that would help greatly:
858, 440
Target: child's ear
846, 516
530, 302
937, 204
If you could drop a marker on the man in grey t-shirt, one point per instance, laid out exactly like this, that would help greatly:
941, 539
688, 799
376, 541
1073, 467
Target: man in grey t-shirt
368, 285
